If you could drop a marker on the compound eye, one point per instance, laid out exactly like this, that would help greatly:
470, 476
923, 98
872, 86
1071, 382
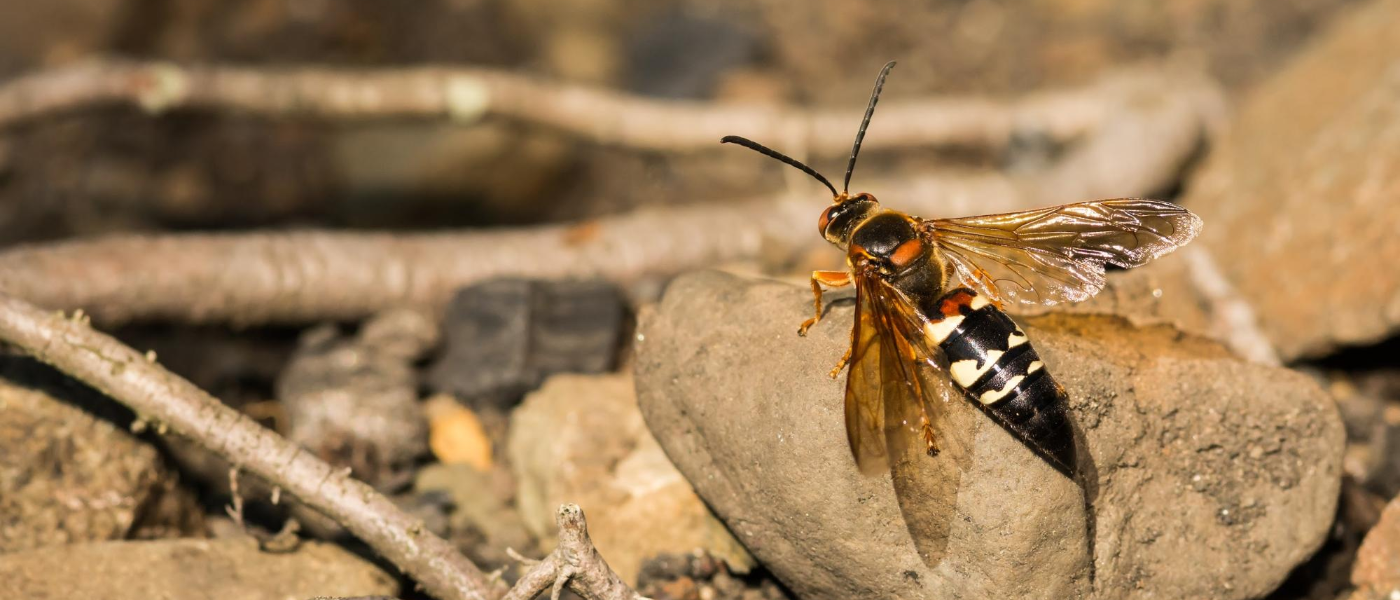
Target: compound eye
825, 219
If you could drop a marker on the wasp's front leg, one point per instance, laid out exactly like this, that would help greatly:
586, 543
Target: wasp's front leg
819, 279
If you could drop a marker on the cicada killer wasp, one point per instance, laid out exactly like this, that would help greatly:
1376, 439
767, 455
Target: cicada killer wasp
930, 295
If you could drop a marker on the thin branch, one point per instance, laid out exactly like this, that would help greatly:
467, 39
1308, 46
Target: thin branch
235, 507
134, 379
467, 95
574, 563
315, 275
153, 392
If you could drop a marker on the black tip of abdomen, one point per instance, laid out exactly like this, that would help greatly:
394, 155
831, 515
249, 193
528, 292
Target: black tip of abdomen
1037, 415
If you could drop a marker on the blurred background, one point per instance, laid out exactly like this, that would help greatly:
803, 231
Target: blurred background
110, 170
577, 158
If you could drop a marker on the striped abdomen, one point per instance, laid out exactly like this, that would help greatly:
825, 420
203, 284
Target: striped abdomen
991, 360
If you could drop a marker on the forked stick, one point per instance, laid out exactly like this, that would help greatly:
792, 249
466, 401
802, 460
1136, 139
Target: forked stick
159, 396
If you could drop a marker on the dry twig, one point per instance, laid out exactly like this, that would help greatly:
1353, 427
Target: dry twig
127, 376
235, 507
467, 95
312, 275
304, 276
575, 563
131, 378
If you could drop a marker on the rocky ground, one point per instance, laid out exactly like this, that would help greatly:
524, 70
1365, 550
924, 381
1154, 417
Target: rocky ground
1188, 443
1237, 402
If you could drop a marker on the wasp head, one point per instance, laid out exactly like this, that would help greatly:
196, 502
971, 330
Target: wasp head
848, 210
840, 219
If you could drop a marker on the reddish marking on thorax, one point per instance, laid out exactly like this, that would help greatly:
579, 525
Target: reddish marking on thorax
907, 252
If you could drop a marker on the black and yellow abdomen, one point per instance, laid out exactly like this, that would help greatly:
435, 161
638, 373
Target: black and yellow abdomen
991, 360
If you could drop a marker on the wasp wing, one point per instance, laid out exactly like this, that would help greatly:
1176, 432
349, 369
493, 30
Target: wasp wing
923, 416
897, 389
1057, 254
865, 415
886, 409
914, 385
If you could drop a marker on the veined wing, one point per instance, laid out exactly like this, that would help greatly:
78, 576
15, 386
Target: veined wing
865, 414
897, 388
1057, 254
928, 429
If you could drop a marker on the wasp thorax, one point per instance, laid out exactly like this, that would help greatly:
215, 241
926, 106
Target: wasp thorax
840, 219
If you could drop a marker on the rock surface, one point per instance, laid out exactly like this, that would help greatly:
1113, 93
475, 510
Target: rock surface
66, 475
699, 576
482, 519
1212, 476
1300, 197
229, 568
1376, 573
1369, 402
581, 439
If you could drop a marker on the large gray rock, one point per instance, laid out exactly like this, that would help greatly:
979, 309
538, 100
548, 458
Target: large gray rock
1212, 476
227, 568
1302, 196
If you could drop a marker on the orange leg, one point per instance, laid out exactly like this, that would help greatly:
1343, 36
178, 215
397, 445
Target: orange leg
931, 446
845, 359
819, 279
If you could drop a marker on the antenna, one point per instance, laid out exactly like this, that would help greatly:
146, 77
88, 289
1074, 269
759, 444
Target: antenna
771, 153
869, 110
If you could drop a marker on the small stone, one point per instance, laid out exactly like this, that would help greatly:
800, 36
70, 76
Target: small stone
661, 567
504, 337
354, 400
581, 439
456, 435
225, 568
68, 473
1367, 401
699, 576
680, 588
481, 511
1377, 567
1166, 419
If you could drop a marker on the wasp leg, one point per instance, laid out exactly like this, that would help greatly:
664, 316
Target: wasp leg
931, 445
819, 279
845, 359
